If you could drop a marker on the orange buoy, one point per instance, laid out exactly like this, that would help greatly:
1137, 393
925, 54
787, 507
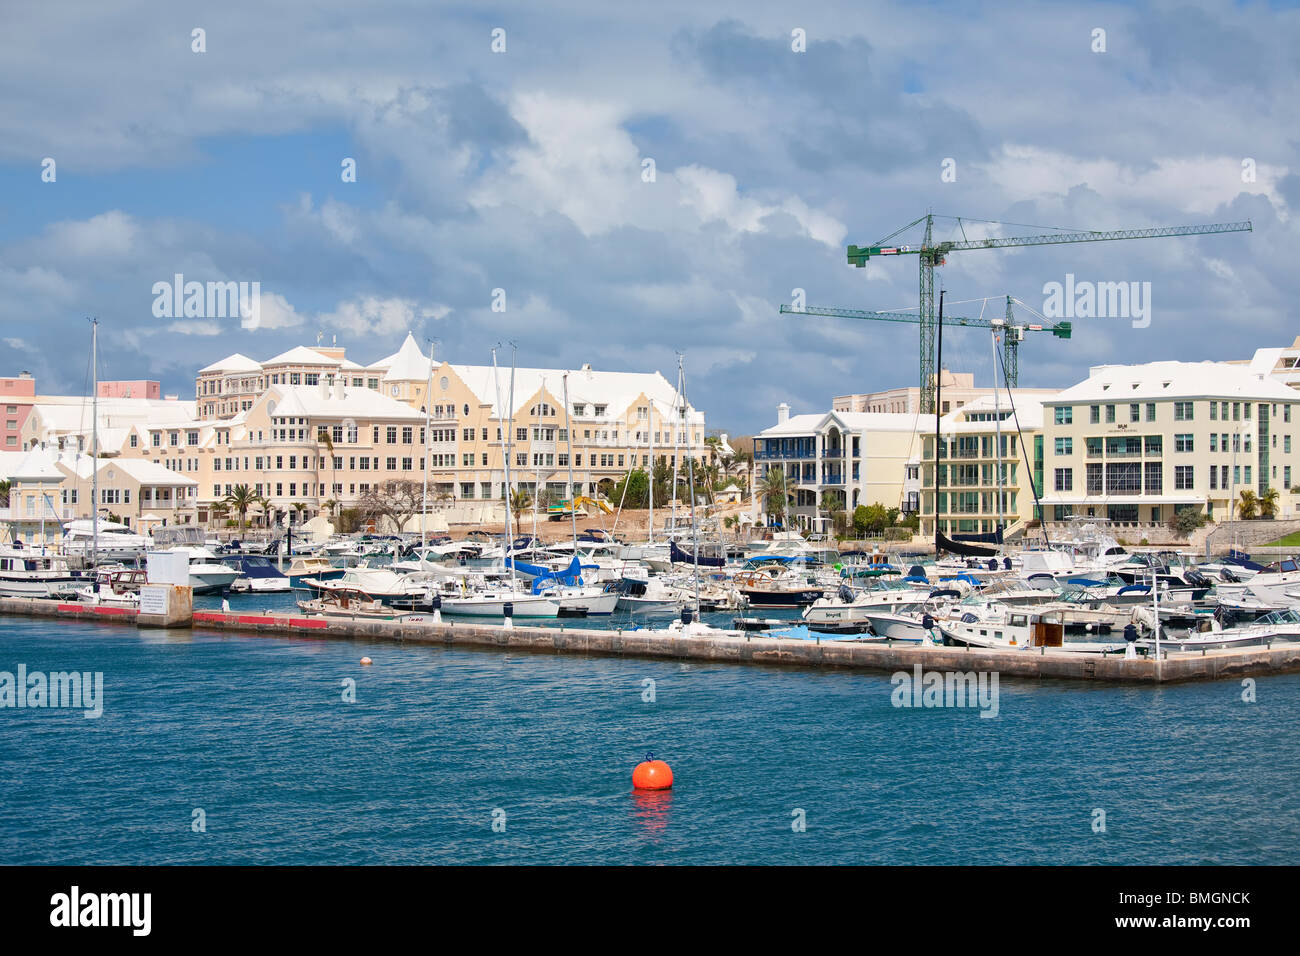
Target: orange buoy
366, 662
652, 774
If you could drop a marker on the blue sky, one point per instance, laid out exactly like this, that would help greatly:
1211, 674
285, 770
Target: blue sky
522, 170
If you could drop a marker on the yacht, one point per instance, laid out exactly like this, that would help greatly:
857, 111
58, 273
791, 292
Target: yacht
116, 542
258, 574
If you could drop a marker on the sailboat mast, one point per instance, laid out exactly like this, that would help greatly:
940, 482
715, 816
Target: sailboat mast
690, 472
424, 501
568, 435
94, 443
505, 452
938, 415
650, 528
677, 437
997, 419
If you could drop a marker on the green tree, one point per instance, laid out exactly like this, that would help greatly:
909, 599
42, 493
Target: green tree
4, 494
775, 493
1268, 503
520, 501
240, 499
633, 490
1248, 505
1186, 520
871, 519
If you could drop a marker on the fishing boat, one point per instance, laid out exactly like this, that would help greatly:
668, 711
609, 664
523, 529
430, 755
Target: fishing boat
354, 604
118, 586
1281, 625
34, 574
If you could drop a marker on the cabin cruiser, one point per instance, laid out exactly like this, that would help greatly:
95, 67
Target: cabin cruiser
646, 595
1278, 583
849, 607
258, 574
775, 586
1281, 625
352, 603
999, 626
114, 585
35, 574
207, 574
114, 542
314, 566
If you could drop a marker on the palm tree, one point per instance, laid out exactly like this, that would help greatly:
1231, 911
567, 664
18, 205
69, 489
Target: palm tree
299, 507
1268, 503
520, 501
240, 499
4, 493
330, 504
775, 493
1249, 504
323, 437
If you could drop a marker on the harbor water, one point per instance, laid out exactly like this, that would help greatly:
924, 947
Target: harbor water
230, 749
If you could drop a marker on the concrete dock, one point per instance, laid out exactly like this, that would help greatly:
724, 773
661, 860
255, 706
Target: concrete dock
1043, 663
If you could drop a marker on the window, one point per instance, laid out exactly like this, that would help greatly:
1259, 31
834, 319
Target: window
390, 434
1110, 414
1154, 477
1184, 442
1094, 479
1094, 414
1286, 476
1135, 412
1247, 474
1064, 415
1064, 446
1214, 442
1093, 447
1183, 477
521, 434
1236, 411
1154, 445
1151, 411
1214, 415
1064, 479
1286, 444
1286, 413
1182, 411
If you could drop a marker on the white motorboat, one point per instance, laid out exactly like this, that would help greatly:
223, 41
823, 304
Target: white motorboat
492, 602
259, 575
116, 586
1000, 626
1272, 585
116, 542
1281, 625
35, 574
851, 606
208, 575
649, 595
353, 604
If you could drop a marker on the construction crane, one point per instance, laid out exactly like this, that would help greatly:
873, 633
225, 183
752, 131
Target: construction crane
931, 254
1012, 332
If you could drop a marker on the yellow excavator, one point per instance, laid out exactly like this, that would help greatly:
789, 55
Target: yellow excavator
556, 512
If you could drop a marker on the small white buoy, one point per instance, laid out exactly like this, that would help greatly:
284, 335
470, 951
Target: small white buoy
366, 662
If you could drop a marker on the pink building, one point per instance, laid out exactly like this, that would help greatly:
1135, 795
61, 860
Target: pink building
140, 388
16, 397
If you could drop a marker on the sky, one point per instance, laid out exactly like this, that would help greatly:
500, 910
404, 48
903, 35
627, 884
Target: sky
511, 147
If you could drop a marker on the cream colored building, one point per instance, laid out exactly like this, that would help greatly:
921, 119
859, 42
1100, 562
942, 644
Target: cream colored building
861, 458
976, 441
959, 390
1135, 443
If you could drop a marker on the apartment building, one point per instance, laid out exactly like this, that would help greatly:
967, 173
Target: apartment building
310, 426
17, 396
985, 451
1135, 443
861, 458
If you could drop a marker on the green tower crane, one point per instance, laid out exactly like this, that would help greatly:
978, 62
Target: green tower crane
1012, 332
931, 254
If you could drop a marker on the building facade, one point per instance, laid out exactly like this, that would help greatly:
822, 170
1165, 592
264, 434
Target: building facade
1135, 443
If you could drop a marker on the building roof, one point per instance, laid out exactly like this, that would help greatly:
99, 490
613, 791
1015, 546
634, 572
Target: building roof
1165, 380
234, 363
301, 355
407, 364
140, 470
615, 390
1028, 415
309, 401
798, 425
37, 465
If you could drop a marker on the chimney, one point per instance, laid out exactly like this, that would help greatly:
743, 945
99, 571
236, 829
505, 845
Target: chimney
324, 387
338, 388
782, 413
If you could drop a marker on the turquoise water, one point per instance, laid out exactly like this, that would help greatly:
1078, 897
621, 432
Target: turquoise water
254, 731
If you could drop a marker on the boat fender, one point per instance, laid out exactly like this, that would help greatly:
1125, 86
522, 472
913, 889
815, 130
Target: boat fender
846, 594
